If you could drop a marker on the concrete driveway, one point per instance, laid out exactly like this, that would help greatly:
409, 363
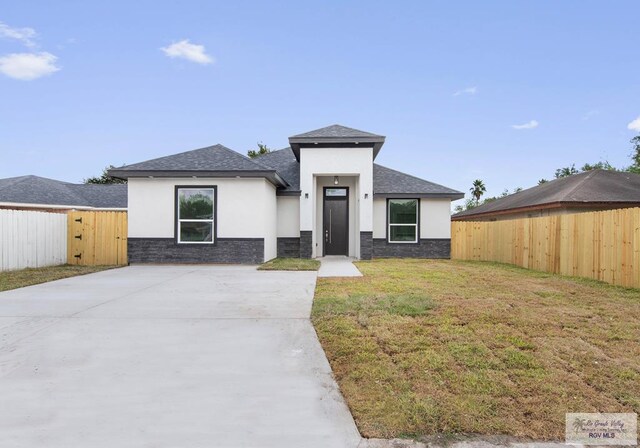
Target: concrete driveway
167, 356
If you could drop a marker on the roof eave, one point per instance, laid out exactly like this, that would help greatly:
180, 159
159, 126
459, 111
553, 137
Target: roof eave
57, 206
288, 192
452, 196
462, 216
270, 175
309, 142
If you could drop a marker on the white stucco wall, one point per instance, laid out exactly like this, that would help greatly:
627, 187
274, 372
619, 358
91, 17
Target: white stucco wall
270, 220
343, 162
435, 218
288, 216
246, 208
380, 218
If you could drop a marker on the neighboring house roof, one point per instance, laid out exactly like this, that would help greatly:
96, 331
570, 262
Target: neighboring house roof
212, 161
43, 191
386, 182
589, 189
335, 136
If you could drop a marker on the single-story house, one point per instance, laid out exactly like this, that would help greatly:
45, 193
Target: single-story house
323, 195
585, 192
40, 193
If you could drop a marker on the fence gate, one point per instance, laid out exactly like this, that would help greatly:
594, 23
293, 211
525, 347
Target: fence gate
97, 238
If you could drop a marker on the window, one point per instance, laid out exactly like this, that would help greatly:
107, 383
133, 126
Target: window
195, 213
335, 192
403, 220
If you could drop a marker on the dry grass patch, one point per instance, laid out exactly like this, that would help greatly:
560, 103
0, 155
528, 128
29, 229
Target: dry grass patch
422, 347
33, 276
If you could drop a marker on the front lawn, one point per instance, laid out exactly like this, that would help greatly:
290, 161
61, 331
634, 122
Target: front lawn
430, 347
290, 264
33, 276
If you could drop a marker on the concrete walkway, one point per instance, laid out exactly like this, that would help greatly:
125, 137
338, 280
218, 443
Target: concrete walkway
168, 356
337, 266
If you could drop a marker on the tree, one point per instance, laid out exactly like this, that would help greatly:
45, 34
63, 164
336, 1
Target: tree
477, 190
542, 181
468, 205
566, 171
598, 166
262, 149
571, 170
104, 178
635, 155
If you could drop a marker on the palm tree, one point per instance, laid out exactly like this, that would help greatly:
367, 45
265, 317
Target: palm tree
478, 190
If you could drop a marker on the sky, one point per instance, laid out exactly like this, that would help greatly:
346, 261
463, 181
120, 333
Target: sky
503, 91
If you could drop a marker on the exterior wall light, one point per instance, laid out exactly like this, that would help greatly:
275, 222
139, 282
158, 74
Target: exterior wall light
306, 195
366, 195
336, 180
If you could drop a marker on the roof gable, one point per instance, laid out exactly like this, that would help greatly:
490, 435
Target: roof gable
336, 131
336, 136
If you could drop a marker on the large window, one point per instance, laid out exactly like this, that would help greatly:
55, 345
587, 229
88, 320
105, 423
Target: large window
403, 220
195, 214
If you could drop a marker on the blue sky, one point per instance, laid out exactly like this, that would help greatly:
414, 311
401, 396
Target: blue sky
103, 90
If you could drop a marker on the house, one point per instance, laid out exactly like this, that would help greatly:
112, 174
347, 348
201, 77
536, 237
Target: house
584, 192
323, 195
40, 193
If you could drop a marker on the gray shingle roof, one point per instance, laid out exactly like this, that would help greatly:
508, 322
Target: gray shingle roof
211, 158
386, 182
591, 187
40, 190
211, 161
285, 163
336, 136
103, 196
336, 131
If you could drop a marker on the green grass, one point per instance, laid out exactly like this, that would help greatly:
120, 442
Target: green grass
33, 276
429, 347
290, 264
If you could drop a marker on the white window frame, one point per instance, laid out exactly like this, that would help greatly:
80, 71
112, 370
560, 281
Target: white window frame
179, 221
416, 225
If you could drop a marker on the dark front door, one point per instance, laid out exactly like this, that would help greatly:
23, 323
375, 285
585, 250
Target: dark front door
336, 221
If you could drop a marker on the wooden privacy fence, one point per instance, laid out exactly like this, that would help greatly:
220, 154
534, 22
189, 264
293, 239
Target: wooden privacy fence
599, 245
97, 238
32, 239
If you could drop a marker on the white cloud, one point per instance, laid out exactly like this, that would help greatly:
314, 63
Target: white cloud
634, 125
530, 125
28, 66
24, 35
186, 50
468, 91
592, 113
